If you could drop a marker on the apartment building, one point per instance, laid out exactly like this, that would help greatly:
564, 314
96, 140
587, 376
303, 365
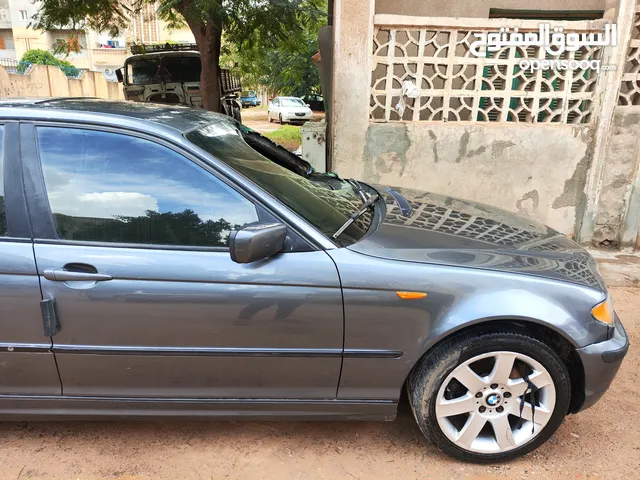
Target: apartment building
99, 51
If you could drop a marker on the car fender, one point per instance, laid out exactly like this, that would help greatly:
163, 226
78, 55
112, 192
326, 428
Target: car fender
386, 336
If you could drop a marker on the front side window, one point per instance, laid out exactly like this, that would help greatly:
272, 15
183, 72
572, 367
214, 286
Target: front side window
107, 187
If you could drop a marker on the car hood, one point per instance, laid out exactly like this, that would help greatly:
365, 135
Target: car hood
297, 109
429, 228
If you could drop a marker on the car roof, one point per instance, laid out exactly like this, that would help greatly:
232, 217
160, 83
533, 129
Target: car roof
173, 117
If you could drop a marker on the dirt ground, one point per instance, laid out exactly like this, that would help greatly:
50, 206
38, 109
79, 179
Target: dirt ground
256, 118
602, 442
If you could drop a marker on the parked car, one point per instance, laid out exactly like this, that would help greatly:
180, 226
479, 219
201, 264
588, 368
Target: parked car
315, 102
289, 110
191, 269
250, 99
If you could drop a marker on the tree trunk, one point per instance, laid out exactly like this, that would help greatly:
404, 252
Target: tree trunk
209, 39
209, 77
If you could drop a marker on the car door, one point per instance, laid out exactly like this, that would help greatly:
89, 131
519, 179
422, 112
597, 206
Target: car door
275, 109
131, 244
27, 365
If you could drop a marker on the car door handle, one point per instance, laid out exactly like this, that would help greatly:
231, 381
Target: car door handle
61, 275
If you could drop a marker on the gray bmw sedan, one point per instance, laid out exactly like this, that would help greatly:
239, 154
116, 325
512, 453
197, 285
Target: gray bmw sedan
164, 261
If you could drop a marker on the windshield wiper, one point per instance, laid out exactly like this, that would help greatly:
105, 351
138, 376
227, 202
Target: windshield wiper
357, 187
368, 204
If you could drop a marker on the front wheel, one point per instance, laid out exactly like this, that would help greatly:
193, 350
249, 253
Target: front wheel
269, 117
491, 396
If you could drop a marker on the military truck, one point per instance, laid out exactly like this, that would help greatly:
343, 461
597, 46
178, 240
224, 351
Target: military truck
170, 73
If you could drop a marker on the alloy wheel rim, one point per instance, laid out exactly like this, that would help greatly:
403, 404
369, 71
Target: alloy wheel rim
478, 404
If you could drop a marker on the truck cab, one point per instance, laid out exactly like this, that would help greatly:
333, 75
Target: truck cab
170, 74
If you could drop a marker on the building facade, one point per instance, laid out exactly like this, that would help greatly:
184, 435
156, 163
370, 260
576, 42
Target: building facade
98, 52
559, 146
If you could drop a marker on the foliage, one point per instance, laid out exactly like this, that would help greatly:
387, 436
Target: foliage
244, 23
44, 57
289, 136
71, 44
175, 228
283, 65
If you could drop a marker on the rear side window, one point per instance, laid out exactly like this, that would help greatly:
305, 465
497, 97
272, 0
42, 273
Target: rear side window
108, 187
3, 216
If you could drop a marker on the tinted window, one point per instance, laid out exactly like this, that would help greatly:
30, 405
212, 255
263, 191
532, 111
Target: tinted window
107, 187
3, 216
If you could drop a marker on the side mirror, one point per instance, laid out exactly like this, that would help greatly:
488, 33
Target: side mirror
308, 104
119, 75
256, 241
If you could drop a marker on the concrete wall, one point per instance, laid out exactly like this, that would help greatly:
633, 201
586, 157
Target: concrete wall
532, 170
47, 81
618, 176
475, 8
535, 169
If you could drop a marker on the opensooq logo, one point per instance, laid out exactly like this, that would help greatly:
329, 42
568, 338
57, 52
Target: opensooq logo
555, 41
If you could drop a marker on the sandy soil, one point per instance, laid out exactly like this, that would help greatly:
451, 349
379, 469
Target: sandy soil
603, 442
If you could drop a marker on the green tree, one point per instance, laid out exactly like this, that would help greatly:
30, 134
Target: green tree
284, 67
243, 22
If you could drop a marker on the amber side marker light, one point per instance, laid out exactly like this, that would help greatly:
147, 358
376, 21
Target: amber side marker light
411, 295
604, 312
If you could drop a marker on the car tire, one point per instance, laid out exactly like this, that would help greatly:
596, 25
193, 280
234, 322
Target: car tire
432, 394
280, 118
269, 117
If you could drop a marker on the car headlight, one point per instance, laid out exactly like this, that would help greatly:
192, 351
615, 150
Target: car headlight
604, 312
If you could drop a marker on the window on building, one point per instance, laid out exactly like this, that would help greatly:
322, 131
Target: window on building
23, 15
107, 187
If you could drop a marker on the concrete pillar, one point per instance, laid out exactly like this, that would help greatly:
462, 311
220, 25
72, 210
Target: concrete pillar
608, 89
353, 34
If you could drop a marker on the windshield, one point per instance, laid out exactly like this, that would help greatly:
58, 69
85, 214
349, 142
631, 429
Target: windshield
292, 102
141, 72
181, 69
326, 209
175, 69
249, 94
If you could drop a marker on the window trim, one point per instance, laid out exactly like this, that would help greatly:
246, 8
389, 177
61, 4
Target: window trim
42, 214
15, 204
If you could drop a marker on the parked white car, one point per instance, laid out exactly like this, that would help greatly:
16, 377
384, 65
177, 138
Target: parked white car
288, 110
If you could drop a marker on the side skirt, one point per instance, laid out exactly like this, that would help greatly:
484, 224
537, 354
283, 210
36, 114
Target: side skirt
24, 407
